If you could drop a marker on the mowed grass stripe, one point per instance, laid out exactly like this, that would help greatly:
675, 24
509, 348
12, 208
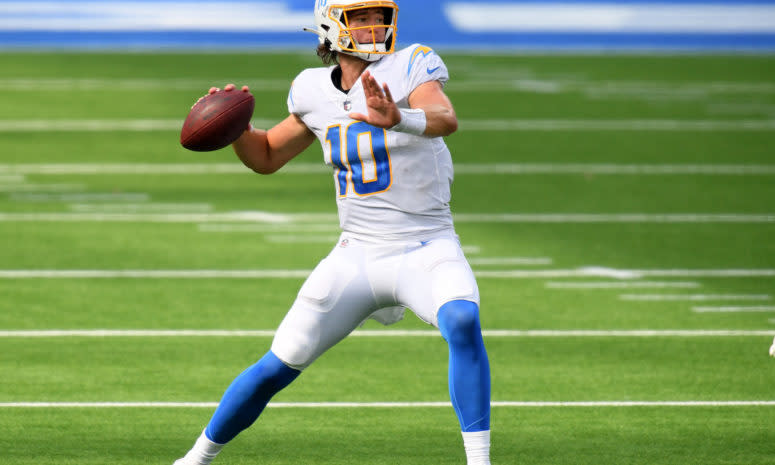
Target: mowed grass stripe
735, 309
353, 405
692, 297
621, 285
478, 85
17, 170
499, 333
280, 217
538, 369
145, 125
198, 368
582, 272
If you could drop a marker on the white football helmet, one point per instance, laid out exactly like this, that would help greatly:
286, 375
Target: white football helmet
333, 27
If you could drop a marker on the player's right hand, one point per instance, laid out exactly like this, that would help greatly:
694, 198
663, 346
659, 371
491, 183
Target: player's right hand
228, 88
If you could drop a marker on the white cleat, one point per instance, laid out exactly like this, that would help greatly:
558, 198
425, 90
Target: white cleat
772, 349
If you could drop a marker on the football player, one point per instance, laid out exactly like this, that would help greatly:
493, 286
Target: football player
380, 116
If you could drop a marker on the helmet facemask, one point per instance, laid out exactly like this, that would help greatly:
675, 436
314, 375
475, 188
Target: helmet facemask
372, 46
336, 29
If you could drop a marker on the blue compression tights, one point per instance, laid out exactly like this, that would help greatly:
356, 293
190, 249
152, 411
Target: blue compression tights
469, 368
247, 396
469, 379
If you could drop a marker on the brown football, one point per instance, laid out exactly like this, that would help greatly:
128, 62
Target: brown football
217, 120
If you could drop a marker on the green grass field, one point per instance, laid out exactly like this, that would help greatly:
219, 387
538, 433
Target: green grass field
619, 212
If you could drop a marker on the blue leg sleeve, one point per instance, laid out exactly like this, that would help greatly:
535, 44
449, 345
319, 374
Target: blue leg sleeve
469, 368
247, 396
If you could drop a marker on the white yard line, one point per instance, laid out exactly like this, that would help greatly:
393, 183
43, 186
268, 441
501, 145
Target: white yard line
504, 218
705, 273
126, 168
107, 125
154, 274
612, 218
141, 207
134, 125
622, 285
613, 169
492, 333
30, 187
218, 217
738, 309
351, 405
693, 297
583, 272
472, 249
266, 228
494, 261
53, 84
12, 178
80, 197
496, 125
302, 238
595, 271
460, 168
617, 125
510, 80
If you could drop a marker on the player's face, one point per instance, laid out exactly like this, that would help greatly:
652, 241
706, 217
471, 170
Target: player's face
364, 18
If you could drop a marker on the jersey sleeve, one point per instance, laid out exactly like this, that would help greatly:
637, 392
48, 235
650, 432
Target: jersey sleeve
296, 97
293, 107
424, 65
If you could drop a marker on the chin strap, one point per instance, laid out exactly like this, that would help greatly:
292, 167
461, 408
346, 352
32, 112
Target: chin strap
322, 36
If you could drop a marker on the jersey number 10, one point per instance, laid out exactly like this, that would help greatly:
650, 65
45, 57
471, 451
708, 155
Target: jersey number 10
351, 168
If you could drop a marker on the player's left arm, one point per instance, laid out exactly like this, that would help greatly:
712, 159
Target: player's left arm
429, 97
440, 116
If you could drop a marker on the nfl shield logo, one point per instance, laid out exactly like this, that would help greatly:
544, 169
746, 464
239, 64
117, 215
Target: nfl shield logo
348, 105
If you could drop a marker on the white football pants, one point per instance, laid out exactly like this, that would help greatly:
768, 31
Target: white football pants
358, 278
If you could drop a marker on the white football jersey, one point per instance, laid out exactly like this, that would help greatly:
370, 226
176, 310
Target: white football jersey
389, 185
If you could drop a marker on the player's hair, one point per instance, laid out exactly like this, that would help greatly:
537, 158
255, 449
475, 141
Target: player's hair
327, 55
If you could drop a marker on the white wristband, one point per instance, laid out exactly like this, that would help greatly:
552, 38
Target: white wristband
413, 121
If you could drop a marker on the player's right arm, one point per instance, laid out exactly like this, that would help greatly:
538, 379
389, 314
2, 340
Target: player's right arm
267, 151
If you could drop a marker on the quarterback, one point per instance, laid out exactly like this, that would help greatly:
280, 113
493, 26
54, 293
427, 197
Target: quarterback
380, 116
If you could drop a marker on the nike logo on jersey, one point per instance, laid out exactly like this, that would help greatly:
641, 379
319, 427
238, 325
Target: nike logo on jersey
419, 51
433, 70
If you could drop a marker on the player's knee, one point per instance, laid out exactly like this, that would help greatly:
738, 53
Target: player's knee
459, 321
297, 350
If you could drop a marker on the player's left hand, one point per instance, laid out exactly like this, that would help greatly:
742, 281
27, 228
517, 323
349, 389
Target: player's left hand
382, 110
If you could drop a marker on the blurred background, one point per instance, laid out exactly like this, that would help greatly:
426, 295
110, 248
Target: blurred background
485, 25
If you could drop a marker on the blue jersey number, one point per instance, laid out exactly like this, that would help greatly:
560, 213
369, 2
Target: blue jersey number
366, 179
